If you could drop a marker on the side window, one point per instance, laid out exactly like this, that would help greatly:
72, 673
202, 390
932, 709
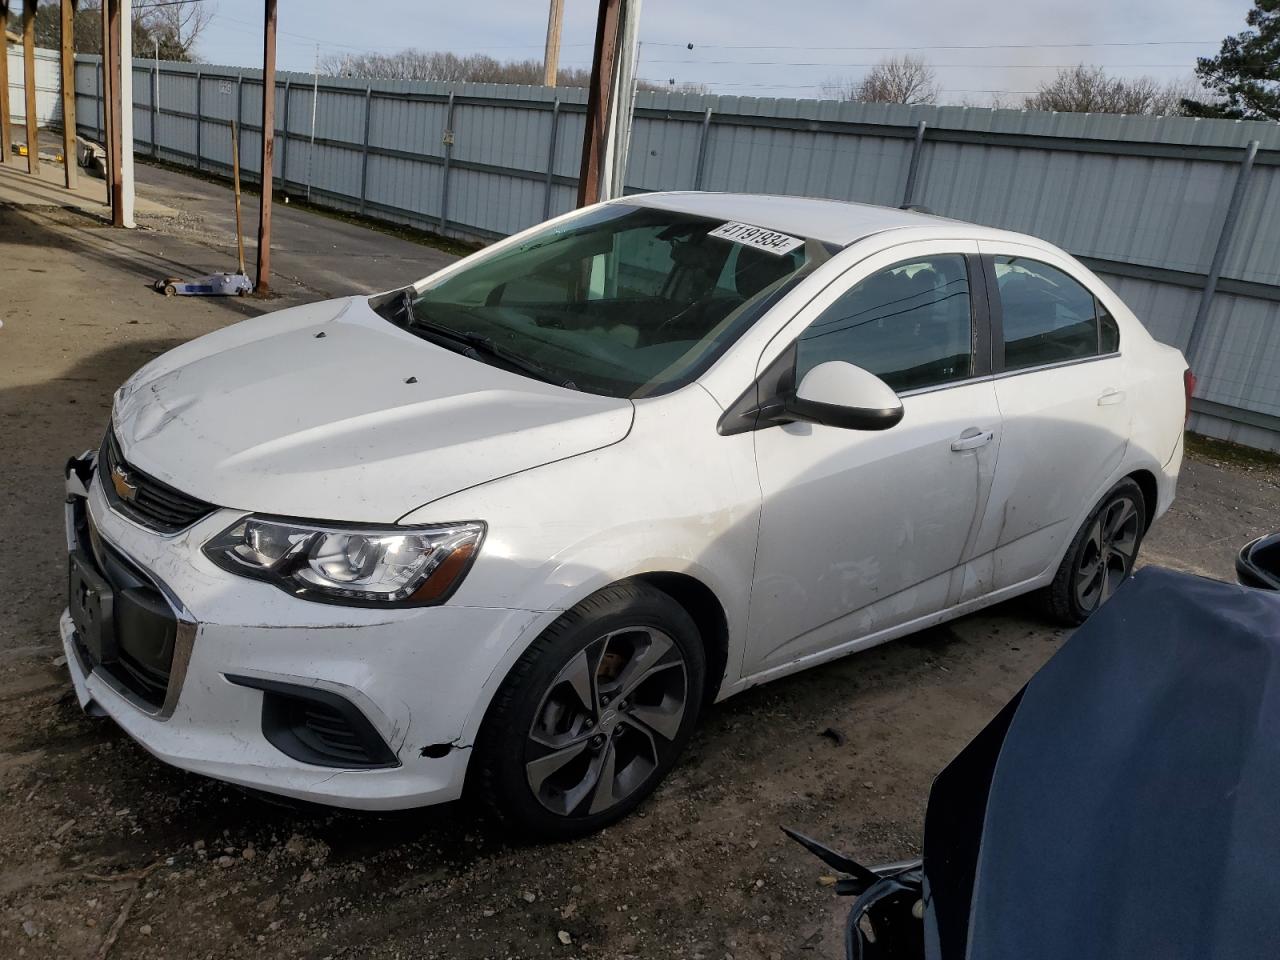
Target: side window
909, 324
1048, 316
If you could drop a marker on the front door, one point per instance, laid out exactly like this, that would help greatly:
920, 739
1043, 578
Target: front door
861, 531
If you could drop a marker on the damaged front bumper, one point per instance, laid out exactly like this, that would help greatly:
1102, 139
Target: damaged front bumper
234, 679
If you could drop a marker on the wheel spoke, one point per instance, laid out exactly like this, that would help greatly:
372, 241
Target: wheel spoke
538, 770
1085, 580
1120, 514
1095, 537
663, 719
601, 792
647, 661
581, 675
1106, 586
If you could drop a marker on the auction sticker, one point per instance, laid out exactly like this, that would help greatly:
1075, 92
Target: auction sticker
758, 237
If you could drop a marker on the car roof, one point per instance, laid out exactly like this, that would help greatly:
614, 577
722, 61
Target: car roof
834, 221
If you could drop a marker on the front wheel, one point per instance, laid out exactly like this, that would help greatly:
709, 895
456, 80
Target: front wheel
593, 715
1101, 556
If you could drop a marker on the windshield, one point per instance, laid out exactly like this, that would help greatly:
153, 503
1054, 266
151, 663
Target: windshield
625, 301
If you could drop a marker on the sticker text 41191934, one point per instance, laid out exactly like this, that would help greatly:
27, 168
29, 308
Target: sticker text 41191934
768, 240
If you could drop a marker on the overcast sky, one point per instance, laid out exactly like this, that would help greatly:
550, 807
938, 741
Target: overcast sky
783, 48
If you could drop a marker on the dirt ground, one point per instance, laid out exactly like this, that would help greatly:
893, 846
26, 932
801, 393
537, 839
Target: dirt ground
105, 850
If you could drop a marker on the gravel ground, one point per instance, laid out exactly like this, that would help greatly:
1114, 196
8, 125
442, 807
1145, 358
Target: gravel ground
104, 850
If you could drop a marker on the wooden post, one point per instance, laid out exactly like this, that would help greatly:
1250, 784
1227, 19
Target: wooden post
69, 92
5, 136
263, 284
551, 60
29, 84
595, 138
115, 151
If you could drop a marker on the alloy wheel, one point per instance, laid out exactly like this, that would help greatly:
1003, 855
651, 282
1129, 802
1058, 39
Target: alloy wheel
607, 720
1108, 553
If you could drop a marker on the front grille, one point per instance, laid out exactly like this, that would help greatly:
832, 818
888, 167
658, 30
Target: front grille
153, 504
143, 630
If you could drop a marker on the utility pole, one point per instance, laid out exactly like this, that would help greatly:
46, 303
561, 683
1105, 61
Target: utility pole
68, 65
4, 85
595, 135
609, 101
29, 83
551, 60
263, 284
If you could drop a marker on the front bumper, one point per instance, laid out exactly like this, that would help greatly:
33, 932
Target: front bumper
420, 677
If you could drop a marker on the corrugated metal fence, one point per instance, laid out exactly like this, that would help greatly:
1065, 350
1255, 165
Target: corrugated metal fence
1142, 200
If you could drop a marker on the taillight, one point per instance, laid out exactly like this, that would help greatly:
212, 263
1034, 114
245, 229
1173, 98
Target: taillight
1189, 387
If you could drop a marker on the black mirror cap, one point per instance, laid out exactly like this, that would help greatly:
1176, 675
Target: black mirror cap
1258, 563
846, 418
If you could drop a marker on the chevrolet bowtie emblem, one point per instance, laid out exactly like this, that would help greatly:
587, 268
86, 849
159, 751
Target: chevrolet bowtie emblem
125, 489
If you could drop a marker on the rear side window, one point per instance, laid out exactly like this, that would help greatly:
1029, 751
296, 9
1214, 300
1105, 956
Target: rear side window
1048, 317
909, 324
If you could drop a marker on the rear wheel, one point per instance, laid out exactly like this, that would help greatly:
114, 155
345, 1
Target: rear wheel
593, 715
1101, 556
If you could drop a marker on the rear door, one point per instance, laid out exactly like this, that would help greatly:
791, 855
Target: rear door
1062, 390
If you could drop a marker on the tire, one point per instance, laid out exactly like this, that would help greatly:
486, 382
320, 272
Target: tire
551, 766
1113, 532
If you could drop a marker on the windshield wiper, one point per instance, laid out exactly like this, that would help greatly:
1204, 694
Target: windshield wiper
478, 347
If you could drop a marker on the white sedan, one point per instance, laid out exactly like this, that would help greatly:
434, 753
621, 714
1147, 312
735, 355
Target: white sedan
508, 530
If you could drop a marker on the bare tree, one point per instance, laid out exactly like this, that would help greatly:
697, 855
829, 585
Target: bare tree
468, 68
903, 79
1083, 89
174, 27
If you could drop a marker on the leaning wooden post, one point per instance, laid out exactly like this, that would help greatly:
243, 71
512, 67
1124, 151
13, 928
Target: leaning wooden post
5, 143
29, 84
69, 152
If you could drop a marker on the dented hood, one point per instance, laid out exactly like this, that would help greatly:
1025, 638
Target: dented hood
329, 412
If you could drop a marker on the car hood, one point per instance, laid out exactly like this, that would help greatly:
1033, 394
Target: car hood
330, 412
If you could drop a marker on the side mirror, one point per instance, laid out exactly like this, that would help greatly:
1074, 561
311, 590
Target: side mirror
839, 394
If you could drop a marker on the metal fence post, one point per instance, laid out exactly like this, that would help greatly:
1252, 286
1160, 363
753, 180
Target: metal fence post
239, 110
100, 99
913, 168
364, 156
284, 142
703, 140
551, 159
155, 111
199, 115
448, 157
1220, 251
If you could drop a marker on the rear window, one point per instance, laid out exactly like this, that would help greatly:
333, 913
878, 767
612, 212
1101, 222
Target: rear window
1048, 317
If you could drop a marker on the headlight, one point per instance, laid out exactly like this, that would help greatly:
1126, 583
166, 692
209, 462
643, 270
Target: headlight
403, 566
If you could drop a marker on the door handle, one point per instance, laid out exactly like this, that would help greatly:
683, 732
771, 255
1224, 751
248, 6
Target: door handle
1110, 396
971, 439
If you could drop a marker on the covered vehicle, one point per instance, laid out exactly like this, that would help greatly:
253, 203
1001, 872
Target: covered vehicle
1122, 805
